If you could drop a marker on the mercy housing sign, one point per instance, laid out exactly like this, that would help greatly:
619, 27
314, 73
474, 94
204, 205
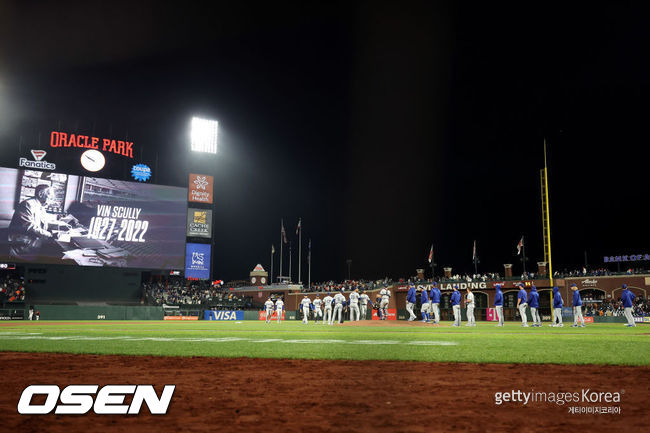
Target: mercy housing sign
199, 223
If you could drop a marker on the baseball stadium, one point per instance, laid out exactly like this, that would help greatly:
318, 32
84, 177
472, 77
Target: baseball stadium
323, 217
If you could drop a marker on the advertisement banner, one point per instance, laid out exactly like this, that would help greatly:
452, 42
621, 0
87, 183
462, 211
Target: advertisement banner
492, 315
262, 315
224, 315
57, 218
199, 223
392, 314
588, 319
197, 261
181, 318
200, 188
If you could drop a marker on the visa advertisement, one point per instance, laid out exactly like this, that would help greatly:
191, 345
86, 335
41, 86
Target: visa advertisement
224, 315
57, 218
197, 261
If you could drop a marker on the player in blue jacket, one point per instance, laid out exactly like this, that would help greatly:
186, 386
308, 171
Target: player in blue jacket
455, 305
522, 303
498, 304
410, 302
434, 300
577, 308
557, 308
533, 303
424, 301
628, 297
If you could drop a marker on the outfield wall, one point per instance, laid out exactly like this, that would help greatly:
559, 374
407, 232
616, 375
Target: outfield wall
99, 312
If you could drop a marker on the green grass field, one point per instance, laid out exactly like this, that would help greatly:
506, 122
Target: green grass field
595, 344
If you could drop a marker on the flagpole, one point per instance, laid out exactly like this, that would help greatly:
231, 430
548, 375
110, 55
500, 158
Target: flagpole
290, 276
523, 253
282, 223
309, 264
271, 280
299, 250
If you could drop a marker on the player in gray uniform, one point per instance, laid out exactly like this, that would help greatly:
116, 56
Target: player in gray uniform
354, 305
339, 301
363, 300
469, 302
306, 306
327, 315
279, 306
269, 309
385, 299
317, 303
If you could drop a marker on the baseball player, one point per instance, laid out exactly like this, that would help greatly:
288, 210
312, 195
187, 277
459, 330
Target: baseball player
327, 301
577, 308
410, 302
306, 306
469, 303
455, 305
279, 306
354, 305
317, 303
385, 298
627, 297
377, 304
268, 305
533, 303
339, 303
363, 300
434, 300
522, 303
498, 304
424, 301
557, 307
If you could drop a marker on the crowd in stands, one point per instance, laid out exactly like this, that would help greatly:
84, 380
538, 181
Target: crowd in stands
178, 291
614, 307
11, 289
346, 286
599, 272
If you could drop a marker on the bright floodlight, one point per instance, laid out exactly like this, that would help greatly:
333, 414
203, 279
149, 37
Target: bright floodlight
204, 135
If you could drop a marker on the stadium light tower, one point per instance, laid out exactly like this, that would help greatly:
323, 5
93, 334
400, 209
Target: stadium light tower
204, 135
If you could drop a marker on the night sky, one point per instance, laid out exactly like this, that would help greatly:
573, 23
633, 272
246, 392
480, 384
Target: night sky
386, 126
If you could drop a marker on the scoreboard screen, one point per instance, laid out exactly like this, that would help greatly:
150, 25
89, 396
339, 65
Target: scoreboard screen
58, 218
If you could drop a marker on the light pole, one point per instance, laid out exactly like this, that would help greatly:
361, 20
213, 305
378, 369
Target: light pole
349, 262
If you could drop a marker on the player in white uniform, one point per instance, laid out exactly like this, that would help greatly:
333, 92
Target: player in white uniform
363, 300
469, 302
327, 316
306, 306
354, 306
279, 306
269, 309
339, 301
385, 298
317, 303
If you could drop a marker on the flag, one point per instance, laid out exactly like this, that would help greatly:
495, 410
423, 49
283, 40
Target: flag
431, 254
474, 252
272, 249
520, 245
299, 226
284, 233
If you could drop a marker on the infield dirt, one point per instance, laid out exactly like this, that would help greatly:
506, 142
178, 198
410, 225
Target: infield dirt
269, 395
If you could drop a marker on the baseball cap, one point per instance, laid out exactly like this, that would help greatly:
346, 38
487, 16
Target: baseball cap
624, 286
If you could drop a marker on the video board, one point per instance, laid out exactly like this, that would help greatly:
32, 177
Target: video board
57, 218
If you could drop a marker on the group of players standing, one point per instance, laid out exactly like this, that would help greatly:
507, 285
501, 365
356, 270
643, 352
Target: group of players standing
331, 307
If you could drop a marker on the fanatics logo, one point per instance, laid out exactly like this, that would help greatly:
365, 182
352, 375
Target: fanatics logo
38, 154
